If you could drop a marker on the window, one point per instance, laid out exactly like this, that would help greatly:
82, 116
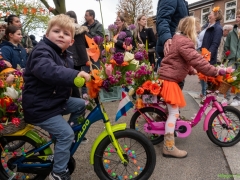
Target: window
230, 11
191, 13
204, 15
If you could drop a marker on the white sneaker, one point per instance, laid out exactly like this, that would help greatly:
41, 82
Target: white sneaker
224, 101
235, 103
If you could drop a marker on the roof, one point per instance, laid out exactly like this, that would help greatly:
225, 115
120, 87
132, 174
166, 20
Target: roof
199, 3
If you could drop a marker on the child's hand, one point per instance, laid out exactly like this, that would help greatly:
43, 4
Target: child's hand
85, 75
8, 64
10, 79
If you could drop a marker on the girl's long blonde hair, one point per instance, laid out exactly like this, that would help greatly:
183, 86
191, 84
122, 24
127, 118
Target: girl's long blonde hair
187, 26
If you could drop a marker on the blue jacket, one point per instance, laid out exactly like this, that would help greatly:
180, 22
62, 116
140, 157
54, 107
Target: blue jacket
15, 55
48, 78
169, 13
212, 39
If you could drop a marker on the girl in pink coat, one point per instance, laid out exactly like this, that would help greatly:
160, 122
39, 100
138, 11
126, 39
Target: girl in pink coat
182, 59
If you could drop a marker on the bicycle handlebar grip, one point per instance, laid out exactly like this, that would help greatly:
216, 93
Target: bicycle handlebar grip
79, 81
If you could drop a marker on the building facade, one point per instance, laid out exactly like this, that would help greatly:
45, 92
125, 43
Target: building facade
202, 8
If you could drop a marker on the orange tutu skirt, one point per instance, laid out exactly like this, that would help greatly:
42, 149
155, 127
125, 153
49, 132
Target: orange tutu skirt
172, 94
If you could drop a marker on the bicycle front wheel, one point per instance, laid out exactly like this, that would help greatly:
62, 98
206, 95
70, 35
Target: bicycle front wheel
138, 121
218, 131
138, 151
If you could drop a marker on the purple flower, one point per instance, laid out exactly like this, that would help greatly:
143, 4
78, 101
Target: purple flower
2, 64
103, 52
118, 57
139, 56
122, 35
131, 27
12, 107
98, 40
128, 41
112, 27
104, 60
18, 73
106, 85
112, 50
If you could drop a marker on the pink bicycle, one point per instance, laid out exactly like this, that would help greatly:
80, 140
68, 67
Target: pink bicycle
221, 123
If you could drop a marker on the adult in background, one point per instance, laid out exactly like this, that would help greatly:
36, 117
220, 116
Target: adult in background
33, 38
212, 35
2, 30
143, 35
26, 41
169, 13
95, 27
11, 49
122, 33
232, 44
226, 29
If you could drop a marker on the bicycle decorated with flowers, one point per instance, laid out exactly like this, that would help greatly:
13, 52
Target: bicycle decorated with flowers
117, 153
222, 122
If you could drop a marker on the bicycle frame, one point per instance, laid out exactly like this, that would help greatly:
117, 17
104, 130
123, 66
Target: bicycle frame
98, 113
155, 126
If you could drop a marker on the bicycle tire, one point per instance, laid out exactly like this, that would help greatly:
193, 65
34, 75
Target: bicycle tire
137, 114
217, 140
5, 140
134, 136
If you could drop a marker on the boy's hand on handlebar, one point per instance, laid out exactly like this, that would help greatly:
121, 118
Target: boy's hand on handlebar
85, 75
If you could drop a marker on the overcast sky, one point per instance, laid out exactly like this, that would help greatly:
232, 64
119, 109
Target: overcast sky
108, 9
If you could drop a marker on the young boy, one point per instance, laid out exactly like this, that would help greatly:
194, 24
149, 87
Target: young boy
233, 45
49, 77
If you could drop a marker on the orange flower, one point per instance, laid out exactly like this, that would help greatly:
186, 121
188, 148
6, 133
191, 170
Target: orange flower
125, 63
139, 103
146, 85
206, 54
113, 62
95, 84
139, 91
219, 78
202, 77
155, 89
216, 9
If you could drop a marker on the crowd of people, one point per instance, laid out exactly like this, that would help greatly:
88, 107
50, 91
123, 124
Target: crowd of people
61, 56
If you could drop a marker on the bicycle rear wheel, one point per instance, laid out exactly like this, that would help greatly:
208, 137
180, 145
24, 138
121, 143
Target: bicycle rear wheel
138, 151
10, 150
221, 134
138, 120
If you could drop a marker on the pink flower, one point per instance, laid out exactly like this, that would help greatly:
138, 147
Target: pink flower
229, 70
108, 69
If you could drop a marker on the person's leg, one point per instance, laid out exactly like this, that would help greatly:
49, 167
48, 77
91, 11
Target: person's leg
169, 148
181, 84
64, 134
75, 107
204, 87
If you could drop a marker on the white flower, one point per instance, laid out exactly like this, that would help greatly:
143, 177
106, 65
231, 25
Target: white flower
11, 92
135, 62
128, 56
131, 92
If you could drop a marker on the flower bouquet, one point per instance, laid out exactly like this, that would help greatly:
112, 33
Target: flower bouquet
11, 113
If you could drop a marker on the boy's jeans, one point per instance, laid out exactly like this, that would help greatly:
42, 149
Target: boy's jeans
64, 134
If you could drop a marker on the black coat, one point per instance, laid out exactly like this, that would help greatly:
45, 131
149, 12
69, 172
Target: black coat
212, 39
146, 34
119, 43
48, 79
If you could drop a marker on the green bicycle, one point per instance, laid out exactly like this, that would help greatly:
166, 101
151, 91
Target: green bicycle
117, 153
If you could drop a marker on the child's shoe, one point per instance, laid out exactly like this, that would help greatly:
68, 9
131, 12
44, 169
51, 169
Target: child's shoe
60, 176
169, 148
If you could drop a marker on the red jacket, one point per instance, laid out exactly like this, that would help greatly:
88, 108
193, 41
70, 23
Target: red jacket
181, 58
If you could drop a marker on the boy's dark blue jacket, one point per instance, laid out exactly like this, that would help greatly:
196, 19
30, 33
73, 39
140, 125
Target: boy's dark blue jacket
48, 79
14, 55
212, 39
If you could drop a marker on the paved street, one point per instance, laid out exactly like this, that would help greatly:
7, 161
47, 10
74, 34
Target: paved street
205, 160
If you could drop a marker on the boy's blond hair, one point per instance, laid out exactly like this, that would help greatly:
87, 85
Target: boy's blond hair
187, 26
64, 21
238, 12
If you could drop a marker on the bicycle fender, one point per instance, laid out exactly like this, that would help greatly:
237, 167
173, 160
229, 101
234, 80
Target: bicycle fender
117, 127
206, 121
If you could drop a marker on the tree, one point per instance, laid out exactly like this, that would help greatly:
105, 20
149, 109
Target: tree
130, 9
32, 15
60, 6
